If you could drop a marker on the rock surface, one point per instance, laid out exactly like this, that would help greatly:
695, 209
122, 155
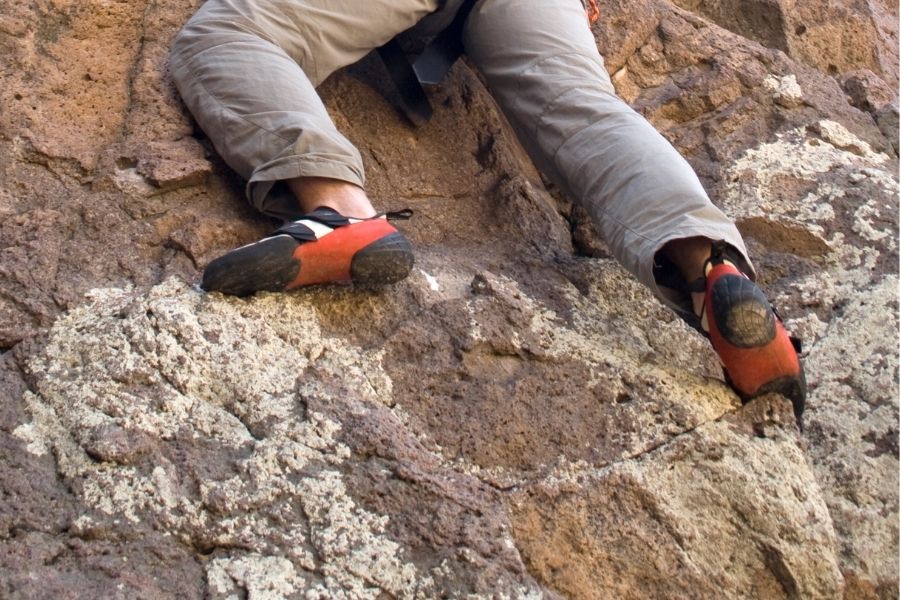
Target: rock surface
519, 418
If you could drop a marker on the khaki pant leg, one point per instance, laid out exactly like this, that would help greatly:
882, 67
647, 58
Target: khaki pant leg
247, 70
542, 66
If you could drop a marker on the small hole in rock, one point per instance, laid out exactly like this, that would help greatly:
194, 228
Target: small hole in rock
126, 162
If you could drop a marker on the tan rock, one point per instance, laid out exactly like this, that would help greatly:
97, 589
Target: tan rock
717, 513
511, 420
835, 38
853, 432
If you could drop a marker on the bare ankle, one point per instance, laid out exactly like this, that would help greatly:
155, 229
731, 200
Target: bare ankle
346, 198
689, 255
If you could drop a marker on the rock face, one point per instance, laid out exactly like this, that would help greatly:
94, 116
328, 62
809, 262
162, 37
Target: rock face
519, 418
834, 37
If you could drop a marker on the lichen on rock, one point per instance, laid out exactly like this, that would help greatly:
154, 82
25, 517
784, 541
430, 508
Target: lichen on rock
175, 366
517, 419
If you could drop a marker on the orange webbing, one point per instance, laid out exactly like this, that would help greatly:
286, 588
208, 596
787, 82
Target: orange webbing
593, 11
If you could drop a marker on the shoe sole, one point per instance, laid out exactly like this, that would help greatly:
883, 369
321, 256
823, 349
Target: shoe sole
272, 265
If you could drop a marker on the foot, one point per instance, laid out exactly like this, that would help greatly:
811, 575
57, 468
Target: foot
758, 355
321, 247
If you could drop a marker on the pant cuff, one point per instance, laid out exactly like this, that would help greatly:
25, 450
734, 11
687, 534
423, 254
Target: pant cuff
276, 200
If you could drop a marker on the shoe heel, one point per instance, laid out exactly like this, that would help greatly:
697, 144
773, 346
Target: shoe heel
791, 387
387, 260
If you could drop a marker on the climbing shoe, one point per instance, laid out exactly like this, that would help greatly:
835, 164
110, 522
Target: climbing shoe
320, 247
757, 354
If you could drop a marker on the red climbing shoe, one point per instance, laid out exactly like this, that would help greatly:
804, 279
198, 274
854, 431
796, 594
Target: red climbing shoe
321, 247
758, 355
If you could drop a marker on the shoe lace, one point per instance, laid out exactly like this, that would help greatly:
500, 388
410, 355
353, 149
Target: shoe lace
398, 215
332, 219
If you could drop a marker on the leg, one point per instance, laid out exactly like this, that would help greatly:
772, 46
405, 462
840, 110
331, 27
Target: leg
321, 192
543, 68
247, 70
689, 255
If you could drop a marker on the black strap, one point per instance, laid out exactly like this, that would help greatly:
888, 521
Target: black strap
415, 102
439, 55
399, 215
429, 68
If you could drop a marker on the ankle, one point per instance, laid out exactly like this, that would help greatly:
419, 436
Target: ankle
346, 198
689, 255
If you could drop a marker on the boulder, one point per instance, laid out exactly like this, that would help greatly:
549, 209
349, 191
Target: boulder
519, 418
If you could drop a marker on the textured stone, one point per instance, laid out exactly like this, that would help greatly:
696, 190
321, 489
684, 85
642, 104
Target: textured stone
265, 487
514, 420
852, 426
867, 91
834, 37
621, 531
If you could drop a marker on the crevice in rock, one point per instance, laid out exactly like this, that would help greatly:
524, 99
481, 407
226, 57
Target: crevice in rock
134, 70
775, 562
61, 168
206, 549
176, 246
637, 455
530, 481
